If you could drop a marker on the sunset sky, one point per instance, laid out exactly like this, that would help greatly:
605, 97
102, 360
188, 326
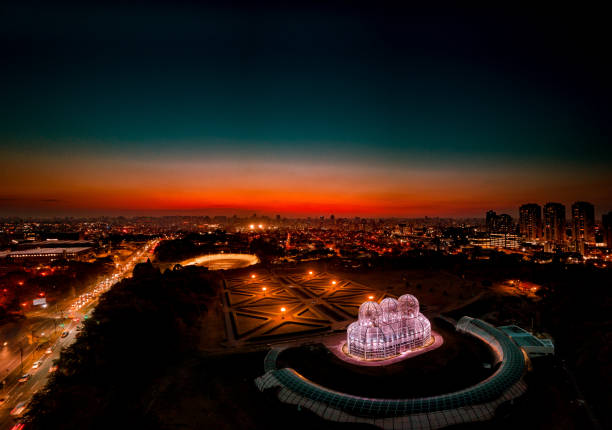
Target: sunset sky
160, 109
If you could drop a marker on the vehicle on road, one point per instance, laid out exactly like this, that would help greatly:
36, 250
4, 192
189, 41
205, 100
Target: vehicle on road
24, 378
64, 334
36, 364
53, 368
18, 426
49, 350
18, 409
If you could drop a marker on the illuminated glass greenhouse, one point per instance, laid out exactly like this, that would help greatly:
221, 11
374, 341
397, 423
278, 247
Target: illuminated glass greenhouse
388, 329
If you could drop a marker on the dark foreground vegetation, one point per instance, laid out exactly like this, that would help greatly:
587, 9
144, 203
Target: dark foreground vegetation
140, 328
140, 361
574, 308
138, 364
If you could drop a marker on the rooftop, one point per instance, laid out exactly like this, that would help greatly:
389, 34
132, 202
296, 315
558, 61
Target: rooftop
43, 251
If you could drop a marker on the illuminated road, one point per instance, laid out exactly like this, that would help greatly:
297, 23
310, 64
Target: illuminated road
42, 323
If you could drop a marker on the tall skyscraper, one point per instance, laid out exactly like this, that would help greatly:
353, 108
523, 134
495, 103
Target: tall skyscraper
606, 223
554, 225
530, 221
583, 222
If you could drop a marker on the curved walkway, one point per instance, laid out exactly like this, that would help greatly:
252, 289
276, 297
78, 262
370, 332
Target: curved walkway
476, 403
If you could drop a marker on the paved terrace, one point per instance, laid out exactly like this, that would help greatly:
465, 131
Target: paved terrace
313, 303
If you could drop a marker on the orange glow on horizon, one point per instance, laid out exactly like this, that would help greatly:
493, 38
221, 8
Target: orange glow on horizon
275, 187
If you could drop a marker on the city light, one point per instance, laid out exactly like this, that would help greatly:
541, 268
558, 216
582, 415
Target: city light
373, 155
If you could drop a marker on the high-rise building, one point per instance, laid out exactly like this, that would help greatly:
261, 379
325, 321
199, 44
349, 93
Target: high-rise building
554, 225
530, 221
501, 223
606, 223
505, 224
583, 222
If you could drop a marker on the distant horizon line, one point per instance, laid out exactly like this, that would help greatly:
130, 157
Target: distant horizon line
230, 212
43, 218
212, 217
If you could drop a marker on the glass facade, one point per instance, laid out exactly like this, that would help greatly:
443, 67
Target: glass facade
387, 329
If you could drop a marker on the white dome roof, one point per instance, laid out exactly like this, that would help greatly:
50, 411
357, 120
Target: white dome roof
390, 310
369, 313
409, 305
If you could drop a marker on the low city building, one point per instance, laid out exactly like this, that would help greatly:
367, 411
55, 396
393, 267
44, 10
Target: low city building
532, 345
49, 254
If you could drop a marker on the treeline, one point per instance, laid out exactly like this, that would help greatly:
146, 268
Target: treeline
576, 309
195, 244
141, 326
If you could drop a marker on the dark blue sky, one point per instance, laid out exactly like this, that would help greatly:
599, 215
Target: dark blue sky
341, 83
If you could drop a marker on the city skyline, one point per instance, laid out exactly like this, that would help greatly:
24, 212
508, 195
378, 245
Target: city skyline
304, 215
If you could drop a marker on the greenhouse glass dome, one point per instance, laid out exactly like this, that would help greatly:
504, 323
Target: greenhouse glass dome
387, 329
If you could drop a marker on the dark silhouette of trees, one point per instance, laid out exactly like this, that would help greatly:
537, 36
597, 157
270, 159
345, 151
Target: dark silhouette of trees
140, 327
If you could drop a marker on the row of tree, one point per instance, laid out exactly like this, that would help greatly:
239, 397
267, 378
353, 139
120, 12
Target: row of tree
140, 327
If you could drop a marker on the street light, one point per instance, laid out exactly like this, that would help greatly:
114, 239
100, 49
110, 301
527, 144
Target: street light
283, 310
310, 273
333, 282
371, 297
252, 276
264, 290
